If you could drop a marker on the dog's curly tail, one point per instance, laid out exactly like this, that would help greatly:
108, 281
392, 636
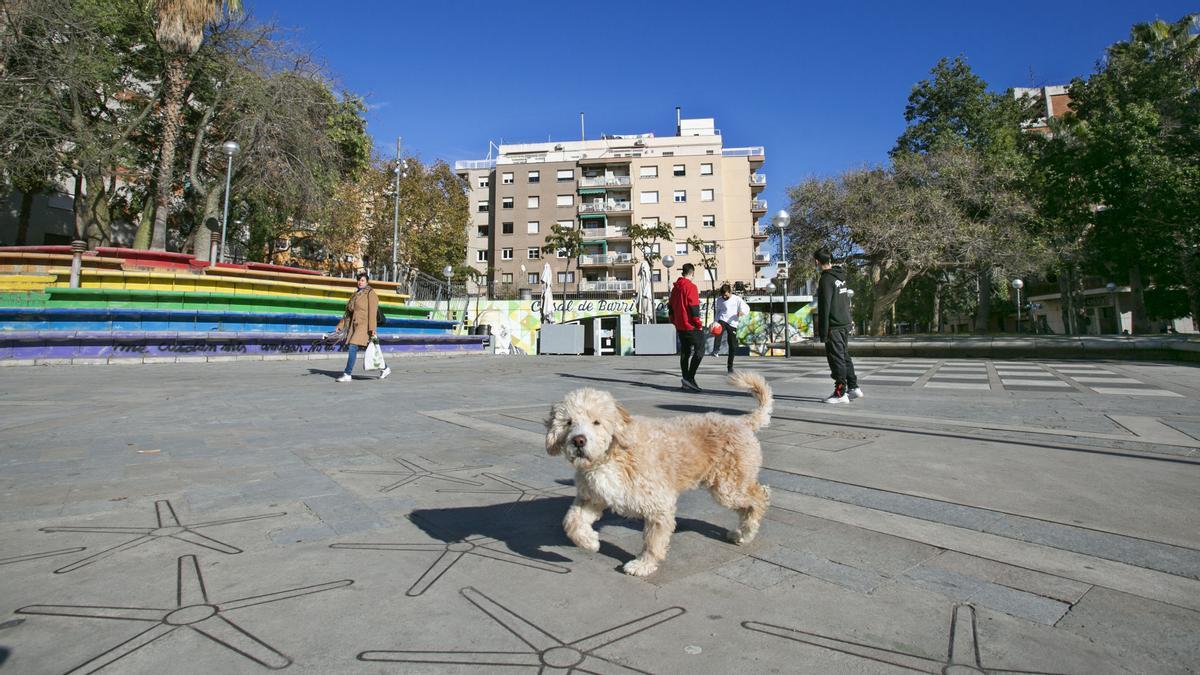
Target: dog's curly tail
762, 391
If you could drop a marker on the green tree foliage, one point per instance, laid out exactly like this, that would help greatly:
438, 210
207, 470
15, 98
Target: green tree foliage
939, 211
1130, 149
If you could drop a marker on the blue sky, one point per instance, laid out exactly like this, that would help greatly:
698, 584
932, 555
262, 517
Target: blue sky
821, 85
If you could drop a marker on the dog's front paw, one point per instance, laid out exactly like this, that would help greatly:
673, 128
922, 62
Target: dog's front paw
640, 568
736, 537
588, 541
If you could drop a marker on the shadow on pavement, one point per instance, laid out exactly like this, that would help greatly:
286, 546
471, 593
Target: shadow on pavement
526, 527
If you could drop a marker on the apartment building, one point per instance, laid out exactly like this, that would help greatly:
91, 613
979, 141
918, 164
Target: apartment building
1054, 100
689, 180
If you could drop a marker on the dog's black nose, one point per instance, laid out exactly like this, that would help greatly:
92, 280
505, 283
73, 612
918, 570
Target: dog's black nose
579, 441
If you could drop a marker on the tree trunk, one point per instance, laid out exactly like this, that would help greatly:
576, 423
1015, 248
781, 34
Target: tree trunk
1066, 307
983, 311
202, 236
23, 219
172, 104
141, 238
886, 292
937, 308
80, 208
1137, 291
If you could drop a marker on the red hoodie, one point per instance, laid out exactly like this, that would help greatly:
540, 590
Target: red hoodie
684, 305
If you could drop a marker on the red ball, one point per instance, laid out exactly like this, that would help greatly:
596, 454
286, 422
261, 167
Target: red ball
716, 329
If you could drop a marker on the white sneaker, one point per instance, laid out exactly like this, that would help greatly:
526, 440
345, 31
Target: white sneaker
344, 378
837, 397
388, 371
855, 393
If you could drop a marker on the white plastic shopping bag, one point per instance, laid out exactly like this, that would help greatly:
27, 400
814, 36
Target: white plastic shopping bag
374, 356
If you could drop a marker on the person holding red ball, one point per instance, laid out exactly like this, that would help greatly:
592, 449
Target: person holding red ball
729, 308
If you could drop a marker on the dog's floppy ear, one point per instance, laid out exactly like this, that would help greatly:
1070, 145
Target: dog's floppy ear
624, 419
556, 429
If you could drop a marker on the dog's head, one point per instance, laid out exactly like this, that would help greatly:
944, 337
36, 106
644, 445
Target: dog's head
585, 426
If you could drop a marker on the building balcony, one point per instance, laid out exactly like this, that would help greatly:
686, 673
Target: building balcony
606, 286
762, 259
610, 232
758, 181
605, 259
758, 205
605, 182
607, 206
759, 233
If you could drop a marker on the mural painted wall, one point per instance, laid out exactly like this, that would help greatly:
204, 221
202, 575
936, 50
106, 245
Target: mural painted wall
515, 323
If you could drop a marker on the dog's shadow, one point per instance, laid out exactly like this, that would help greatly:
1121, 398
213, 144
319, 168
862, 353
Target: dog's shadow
528, 527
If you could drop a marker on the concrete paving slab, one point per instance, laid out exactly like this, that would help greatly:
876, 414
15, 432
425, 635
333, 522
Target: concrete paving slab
1056, 530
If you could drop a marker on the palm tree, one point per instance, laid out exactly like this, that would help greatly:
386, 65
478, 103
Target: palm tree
179, 31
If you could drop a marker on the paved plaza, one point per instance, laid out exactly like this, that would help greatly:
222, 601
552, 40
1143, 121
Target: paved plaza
1033, 516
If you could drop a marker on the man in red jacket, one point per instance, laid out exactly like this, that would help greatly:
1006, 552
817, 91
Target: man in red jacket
684, 309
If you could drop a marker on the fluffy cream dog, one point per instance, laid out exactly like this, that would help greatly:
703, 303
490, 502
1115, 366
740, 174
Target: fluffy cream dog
638, 466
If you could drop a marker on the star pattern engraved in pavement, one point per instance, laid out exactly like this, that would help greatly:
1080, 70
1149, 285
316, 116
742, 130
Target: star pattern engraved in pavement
544, 651
962, 657
512, 487
43, 554
450, 553
168, 527
193, 610
414, 472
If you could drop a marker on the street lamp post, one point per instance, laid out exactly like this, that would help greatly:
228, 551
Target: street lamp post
770, 313
230, 148
781, 220
1112, 290
850, 302
668, 262
1018, 285
448, 271
400, 173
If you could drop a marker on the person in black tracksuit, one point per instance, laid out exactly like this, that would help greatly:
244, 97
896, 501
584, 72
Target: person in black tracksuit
833, 327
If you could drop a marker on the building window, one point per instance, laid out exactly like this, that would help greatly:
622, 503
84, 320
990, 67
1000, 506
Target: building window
706, 169
566, 277
656, 275
566, 224
533, 253
565, 200
706, 195
506, 202
710, 247
560, 253
506, 253
650, 197
534, 278
506, 278
506, 228
708, 221
533, 202
656, 248
679, 196
679, 170
710, 273
680, 221
481, 206
681, 248
484, 181
648, 172
532, 227
650, 222
535, 176
482, 231
506, 178
566, 175
481, 255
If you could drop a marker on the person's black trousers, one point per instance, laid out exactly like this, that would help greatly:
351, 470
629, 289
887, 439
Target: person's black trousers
837, 352
691, 350
731, 340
